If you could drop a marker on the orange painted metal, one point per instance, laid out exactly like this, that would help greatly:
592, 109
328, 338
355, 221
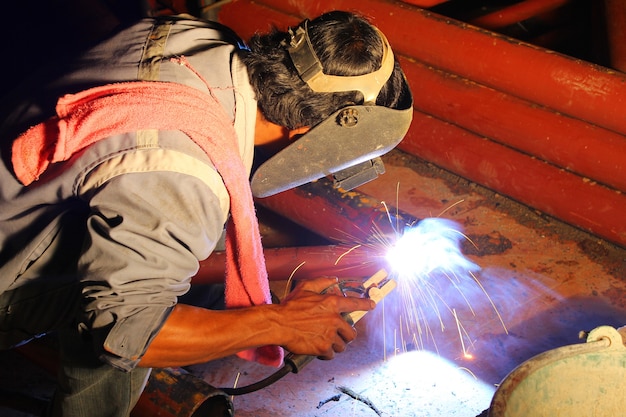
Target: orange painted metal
247, 17
304, 262
173, 392
425, 3
616, 32
544, 104
567, 85
517, 13
166, 7
583, 148
343, 217
569, 197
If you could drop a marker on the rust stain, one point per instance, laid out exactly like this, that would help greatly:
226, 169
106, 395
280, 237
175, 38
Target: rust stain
493, 243
617, 296
568, 263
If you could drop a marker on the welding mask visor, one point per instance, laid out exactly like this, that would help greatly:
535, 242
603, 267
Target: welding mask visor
349, 143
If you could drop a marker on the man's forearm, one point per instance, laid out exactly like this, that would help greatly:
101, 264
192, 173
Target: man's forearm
196, 335
305, 322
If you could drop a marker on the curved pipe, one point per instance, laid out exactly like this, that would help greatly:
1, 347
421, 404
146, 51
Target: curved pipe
576, 88
425, 3
343, 217
588, 150
517, 13
586, 204
174, 392
615, 11
362, 226
303, 262
570, 86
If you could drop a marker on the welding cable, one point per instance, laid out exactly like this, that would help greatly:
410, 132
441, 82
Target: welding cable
293, 363
260, 384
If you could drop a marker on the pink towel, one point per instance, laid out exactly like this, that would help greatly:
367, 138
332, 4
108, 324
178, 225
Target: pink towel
94, 114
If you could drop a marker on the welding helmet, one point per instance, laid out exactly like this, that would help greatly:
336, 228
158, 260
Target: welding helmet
349, 143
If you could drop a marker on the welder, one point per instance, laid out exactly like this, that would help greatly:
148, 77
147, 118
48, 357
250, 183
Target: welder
125, 166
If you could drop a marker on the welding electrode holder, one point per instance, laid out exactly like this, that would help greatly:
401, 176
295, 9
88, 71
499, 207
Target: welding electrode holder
377, 287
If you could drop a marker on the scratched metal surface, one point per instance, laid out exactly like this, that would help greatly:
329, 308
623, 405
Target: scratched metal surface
546, 280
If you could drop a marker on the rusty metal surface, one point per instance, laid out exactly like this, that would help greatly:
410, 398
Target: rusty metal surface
483, 139
337, 215
547, 280
173, 392
301, 262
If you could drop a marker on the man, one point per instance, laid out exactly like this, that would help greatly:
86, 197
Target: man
107, 207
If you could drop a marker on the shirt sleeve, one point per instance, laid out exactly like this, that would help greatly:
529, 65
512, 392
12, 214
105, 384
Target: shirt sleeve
146, 233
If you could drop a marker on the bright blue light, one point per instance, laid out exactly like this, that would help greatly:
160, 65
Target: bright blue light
431, 245
436, 287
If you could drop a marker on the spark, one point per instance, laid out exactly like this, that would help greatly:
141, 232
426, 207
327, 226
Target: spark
458, 325
491, 302
232, 397
419, 257
469, 372
433, 277
346, 253
290, 279
450, 207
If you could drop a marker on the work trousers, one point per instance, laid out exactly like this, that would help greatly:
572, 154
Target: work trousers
87, 387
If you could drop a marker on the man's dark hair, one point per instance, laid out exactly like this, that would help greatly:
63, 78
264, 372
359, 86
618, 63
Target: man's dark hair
346, 44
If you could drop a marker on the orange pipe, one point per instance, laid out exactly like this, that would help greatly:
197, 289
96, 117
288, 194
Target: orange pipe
173, 392
551, 80
303, 262
615, 11
567, 85
425, 3
345, 217
588, 150
246, 18
42, 355
517, 13
561, 194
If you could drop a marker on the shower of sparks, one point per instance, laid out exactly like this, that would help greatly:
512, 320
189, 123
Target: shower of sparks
435, 282
426, 261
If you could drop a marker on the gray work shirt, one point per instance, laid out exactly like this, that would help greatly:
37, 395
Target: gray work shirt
132, 215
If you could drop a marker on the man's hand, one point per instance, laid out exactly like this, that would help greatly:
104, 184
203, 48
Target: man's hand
306, 322
312, 322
